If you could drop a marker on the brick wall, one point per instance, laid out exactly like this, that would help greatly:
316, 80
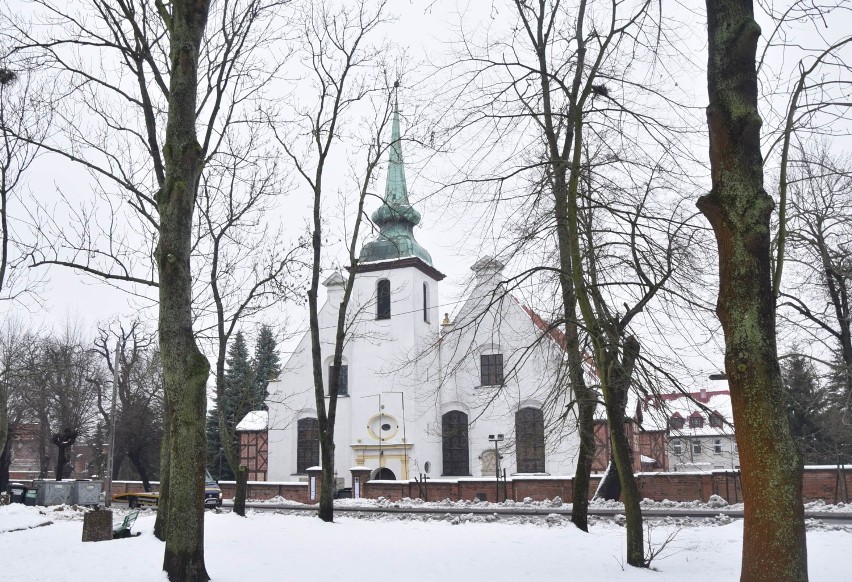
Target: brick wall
819, 483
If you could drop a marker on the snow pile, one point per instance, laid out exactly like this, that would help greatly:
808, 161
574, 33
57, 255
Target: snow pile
16, 517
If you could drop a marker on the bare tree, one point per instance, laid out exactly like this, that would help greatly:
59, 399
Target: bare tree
346, 71
22, 124
739, 210
139, 396
562, 83
157, 77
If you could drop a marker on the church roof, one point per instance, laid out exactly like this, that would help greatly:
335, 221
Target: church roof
396, 218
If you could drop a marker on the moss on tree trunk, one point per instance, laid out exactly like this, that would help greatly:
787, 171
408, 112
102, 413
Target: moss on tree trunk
739, 210
185, 369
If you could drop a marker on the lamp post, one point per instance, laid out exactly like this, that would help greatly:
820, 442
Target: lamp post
496, 439
108, 494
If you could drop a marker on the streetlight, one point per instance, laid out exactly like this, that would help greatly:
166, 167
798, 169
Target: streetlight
108, 494
496, 439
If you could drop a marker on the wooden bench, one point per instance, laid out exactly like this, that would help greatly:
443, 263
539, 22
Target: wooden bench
123, 529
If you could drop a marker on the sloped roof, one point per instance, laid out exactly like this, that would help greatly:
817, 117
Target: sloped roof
660, 408
256, 420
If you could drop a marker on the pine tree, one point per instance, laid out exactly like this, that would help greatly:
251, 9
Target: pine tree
266, 366
239, 382
806, 406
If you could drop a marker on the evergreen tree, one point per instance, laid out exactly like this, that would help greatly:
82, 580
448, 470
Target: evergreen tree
806, 406
239, 382
266, 366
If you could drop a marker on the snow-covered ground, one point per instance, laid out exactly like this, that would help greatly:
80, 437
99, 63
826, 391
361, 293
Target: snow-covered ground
274, 546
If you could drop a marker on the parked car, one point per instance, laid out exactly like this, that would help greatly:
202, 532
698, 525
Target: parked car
212, 495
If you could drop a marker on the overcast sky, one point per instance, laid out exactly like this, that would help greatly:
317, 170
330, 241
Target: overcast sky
427, 30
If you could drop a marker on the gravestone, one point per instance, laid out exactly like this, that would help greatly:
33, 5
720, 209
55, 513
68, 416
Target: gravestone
97, 525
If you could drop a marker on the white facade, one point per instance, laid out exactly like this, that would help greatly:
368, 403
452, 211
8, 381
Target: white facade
407, 372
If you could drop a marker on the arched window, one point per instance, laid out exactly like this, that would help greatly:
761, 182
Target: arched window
426, 302
383, 299
307, 444
455, 447
529, 440
343, 379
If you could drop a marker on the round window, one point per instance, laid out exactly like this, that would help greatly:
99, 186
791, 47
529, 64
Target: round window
383, 426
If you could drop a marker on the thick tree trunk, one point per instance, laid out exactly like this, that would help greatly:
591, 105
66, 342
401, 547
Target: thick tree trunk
242, 487
739, 210
185, 369
160, 524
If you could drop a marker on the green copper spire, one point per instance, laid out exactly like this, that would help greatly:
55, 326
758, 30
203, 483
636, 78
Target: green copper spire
395, 217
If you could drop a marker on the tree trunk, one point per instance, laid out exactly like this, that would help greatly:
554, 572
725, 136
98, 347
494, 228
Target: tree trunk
185, 369
5, 462
616, 377
140, 467
326, 504
242, 487
739, 211
160, 524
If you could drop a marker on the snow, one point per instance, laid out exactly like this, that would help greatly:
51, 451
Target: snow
254, 421
267, 546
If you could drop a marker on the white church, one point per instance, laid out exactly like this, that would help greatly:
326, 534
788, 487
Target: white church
420, 393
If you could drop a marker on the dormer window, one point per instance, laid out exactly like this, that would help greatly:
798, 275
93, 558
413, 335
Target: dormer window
676, 421
716, 420
383, 299
696, 421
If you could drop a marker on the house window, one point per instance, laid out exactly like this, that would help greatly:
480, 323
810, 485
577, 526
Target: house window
307, 444
717, 446
696, 422
454, 446
491, 369
383, 299
677, 447
426, 302
529, 440
676, 422
343, 379
696, 447
716, 420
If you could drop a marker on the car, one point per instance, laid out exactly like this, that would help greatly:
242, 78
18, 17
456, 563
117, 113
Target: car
212, 495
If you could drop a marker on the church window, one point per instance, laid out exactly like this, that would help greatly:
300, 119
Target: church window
383, 299
455, 444
491, 369
426, 302
343, 379
307, 444
529, 440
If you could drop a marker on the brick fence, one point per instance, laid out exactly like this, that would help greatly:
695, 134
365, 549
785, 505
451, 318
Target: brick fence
819, 483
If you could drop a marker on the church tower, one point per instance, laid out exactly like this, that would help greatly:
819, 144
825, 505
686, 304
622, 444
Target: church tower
395, 296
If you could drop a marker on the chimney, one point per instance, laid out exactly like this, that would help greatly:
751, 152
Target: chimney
702, 396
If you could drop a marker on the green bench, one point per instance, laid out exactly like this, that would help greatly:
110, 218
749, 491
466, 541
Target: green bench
123, 529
